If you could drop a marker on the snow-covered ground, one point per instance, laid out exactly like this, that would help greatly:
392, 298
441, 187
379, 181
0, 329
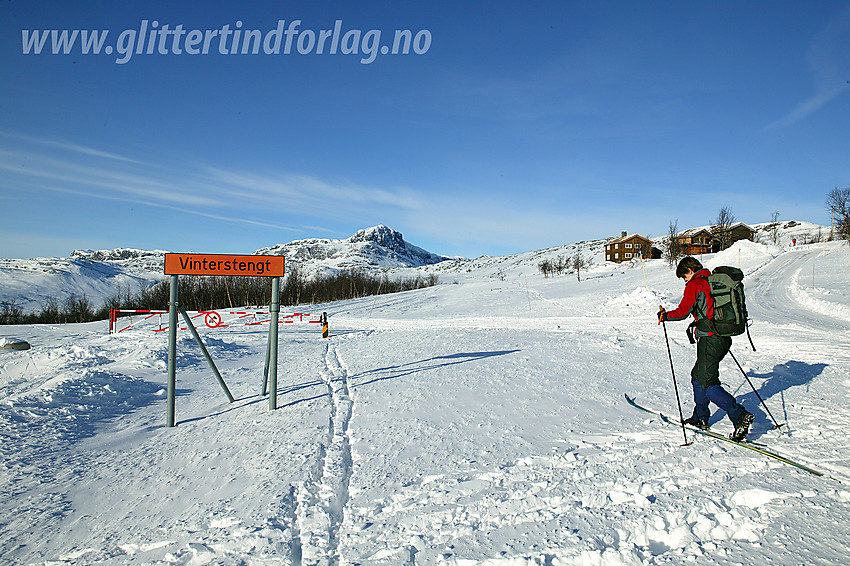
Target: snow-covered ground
480, 421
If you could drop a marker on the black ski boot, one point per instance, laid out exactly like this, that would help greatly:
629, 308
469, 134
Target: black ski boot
697, 422
742, 426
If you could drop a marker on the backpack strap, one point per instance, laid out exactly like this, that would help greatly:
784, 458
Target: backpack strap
690, 332
709, 306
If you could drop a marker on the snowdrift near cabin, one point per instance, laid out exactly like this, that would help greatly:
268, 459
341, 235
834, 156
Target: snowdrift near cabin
745, 255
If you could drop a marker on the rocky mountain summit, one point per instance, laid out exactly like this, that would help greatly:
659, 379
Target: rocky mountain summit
372, 249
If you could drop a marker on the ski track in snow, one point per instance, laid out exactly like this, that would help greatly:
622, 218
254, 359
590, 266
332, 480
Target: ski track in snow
477, 423
322, 501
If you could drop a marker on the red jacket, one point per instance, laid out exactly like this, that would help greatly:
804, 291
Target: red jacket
696, 301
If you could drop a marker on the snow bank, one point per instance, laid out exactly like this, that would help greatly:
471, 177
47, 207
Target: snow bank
13, 344
745, 255
819, 300
821, 284
638, 302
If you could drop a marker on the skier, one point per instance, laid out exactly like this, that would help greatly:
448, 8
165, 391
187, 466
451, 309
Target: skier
711, 349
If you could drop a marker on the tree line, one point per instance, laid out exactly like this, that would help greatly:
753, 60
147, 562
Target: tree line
575, 264
211, 293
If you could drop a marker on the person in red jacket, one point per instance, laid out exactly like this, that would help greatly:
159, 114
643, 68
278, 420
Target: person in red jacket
711, 349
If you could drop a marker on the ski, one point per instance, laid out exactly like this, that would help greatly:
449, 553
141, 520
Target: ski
756, 447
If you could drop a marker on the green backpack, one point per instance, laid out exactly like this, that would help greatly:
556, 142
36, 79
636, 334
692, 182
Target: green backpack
730, 304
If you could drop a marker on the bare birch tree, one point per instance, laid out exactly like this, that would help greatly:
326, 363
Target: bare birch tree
774, 227
838, 203
722, 226
673, 245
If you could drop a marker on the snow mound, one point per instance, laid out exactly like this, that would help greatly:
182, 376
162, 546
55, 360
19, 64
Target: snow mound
819, 300
638, 302
748, 256
13, 344
755, 498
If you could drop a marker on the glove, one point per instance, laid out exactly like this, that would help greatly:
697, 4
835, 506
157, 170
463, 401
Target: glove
661, 315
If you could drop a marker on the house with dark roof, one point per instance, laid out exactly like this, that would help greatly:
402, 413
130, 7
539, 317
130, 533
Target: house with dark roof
736, 232
695, 241
628, 247
709, 239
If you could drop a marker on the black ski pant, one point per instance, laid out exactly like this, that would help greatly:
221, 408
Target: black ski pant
710, 351
705, 378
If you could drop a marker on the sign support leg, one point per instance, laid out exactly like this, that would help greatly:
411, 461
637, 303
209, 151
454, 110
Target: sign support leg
172, 352
206, 353
274, 310
266, 366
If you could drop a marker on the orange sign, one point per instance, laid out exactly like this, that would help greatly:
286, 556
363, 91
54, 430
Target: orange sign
217, 264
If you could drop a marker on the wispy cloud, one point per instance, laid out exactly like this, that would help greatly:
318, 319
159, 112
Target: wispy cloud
827, 58
305, 190
96, 180
265, 199
67, 146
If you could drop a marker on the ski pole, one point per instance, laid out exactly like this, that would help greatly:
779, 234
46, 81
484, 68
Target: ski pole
672, 371
775, 424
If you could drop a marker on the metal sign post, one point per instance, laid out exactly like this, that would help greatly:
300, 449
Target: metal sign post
274, 310
220, 265
172, 351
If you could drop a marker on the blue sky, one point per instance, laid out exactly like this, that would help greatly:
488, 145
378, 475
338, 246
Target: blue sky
518, 126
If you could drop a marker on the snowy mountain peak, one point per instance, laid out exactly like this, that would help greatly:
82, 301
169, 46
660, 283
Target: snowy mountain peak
381, 235
375, 248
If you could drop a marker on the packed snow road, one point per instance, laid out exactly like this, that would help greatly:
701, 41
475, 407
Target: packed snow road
481, 421
803, 287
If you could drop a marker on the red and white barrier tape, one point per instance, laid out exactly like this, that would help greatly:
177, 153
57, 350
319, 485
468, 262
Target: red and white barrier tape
212, 319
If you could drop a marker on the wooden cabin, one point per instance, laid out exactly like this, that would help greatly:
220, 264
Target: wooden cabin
738, 231
696, 241
628, 247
